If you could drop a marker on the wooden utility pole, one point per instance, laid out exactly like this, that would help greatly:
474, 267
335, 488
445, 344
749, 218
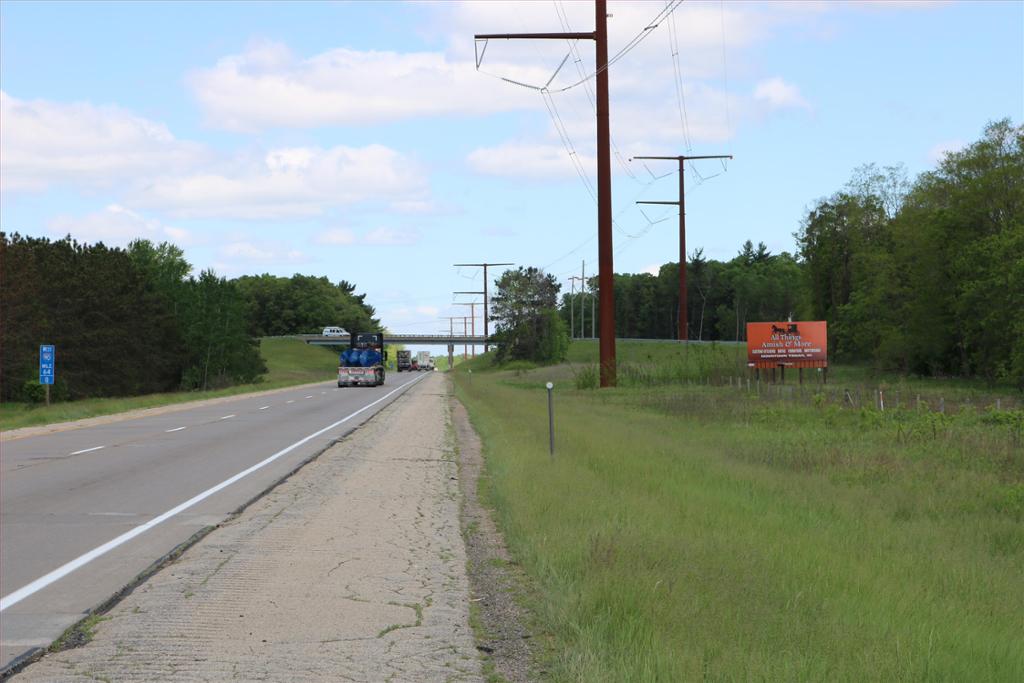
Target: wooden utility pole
604, 177
472, 325
487, 307
572, 307
572, 314
682, 319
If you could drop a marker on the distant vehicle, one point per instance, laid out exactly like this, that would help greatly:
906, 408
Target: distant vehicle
334, 332
424, 360
362, 363
404, 360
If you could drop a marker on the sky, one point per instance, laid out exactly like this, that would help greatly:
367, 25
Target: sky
360, 141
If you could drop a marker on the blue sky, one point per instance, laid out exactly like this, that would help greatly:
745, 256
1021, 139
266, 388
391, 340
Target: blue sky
358, 141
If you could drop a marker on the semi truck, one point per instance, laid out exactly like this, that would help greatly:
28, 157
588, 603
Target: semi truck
404, 360
362, 363
425, 361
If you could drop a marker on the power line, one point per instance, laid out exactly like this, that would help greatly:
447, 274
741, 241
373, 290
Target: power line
632, 43
563, 19
677, 70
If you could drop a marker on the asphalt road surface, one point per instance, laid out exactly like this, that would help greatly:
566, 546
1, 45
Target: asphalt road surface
85, 511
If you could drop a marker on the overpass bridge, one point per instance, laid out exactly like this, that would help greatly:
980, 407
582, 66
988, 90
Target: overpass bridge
449, 340
408, 339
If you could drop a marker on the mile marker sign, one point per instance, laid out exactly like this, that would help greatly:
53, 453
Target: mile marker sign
47, 363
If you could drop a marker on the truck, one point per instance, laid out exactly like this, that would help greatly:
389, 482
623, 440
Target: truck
425, 361
404, 360
362, 363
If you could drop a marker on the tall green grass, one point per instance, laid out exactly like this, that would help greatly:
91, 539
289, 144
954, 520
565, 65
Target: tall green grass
289, 362
695, 532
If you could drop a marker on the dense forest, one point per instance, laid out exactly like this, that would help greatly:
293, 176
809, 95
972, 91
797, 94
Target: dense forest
924, 276
135, 321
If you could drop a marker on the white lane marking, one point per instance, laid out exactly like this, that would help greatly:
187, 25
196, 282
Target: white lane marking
264, 407
310, 396
82, 560
292, 401
86, 450
322, 392
176, 429
227, 417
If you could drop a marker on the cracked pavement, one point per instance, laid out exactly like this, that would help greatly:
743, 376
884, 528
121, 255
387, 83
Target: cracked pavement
352, 569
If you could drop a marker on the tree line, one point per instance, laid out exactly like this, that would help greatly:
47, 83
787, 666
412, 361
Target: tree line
135, 321
924, 276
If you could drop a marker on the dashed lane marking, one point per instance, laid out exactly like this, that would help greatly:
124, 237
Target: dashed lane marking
176, 429
82, 560
86, 450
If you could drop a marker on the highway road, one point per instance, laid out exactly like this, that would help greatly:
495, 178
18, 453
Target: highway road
85, 511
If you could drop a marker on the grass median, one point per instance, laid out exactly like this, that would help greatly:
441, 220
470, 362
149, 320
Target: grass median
695, 532
289, 362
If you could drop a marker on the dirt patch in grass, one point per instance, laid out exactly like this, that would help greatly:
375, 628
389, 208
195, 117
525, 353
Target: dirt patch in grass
500, 624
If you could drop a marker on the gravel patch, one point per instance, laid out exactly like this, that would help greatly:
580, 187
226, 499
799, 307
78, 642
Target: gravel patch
496, 582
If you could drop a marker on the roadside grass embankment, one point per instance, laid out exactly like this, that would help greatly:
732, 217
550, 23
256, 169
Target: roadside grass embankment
701, 532
289, 362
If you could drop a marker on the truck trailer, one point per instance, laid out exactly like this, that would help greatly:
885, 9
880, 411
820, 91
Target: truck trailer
425, 361
362, 363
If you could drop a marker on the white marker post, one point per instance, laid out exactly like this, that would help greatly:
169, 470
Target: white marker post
551, 421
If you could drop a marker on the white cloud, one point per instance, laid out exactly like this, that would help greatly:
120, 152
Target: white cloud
46, 143
246, 251
652, 269
391, 237
291, 182
778, 94
382, 236
117, 226
428, 310
938, 152
268, 86
242, 256
526, 159
336, 236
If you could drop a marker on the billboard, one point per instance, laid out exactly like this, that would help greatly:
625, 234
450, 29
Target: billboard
791, 344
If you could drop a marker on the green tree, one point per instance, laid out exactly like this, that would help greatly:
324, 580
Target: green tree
528, 326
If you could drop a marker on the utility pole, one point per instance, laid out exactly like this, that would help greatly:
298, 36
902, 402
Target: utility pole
583, 299
572, 309
572, 315
681, 314
604, 177
472, 326
593, 318
487, 307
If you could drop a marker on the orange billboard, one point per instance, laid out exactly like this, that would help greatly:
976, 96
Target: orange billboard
791, 344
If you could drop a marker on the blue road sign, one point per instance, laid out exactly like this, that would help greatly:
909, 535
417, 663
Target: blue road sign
47, 363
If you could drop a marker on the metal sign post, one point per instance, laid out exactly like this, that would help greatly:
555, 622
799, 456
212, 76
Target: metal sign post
47, 367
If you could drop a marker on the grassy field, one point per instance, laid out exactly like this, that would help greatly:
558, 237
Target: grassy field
687, 531
289, 362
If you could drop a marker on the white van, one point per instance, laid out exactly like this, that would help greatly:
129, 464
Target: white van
334, 332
